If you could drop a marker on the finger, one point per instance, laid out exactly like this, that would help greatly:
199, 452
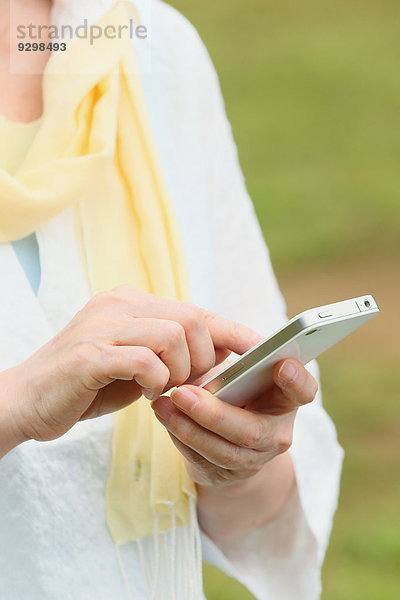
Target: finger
200, 325
165, 338
128, 363
200, 343
221, 354
240, 427
191, 455
231, 335
274, 402
211, 446
298, 385
189, 316
205, 472
212, 372
264, 435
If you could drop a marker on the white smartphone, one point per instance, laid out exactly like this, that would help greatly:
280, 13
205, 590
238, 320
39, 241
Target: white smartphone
304, 337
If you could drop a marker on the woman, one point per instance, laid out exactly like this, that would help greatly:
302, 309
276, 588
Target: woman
86, 206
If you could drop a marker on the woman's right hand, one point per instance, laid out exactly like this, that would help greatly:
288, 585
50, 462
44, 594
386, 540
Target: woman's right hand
122, 344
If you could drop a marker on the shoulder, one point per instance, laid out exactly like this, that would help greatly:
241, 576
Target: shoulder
179, 31
177, 47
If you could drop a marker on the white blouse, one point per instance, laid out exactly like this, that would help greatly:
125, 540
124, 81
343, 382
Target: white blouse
54, 541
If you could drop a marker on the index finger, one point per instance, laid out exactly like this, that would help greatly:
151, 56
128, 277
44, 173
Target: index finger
230, 334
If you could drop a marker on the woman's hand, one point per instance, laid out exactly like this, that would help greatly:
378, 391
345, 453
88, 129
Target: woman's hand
122, 344
237, 456
224, 444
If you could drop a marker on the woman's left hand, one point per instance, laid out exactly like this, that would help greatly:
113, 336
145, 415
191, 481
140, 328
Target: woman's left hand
225, 444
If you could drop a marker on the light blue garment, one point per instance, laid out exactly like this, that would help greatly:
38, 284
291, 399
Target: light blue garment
27, 251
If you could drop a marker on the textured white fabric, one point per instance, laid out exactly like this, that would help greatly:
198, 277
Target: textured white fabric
279, 546
54, 541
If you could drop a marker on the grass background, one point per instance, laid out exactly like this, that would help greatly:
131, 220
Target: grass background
312, 89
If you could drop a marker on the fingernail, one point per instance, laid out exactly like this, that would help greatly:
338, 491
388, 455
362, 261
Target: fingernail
149, 394
163, 409
184, 398
288, 372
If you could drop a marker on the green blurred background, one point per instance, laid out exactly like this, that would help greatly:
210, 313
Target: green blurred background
312, 89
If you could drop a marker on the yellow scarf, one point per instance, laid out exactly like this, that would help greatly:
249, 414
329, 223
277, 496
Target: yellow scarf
95, 150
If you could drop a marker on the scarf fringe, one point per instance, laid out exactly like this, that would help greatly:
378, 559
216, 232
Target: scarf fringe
165, 578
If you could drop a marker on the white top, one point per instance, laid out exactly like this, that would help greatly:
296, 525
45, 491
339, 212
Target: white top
54, 541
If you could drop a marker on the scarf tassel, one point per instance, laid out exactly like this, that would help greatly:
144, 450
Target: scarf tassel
164, 577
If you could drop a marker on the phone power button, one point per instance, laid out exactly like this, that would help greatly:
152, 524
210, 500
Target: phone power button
325, 314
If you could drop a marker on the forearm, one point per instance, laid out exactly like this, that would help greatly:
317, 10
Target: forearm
7, 440
232, 511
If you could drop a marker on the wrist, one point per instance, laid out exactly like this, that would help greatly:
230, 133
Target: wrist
11, 434
230, 511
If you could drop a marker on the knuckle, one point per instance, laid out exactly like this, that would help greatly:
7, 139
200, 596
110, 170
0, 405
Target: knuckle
208, 364
220, 477
258, 465
199, 461
204, 363
183, 376
179, 374
235, 332
192, 316
284, 442
230, 458
107, 299
313, 390
88, 362
87, 352
175, 334
143, 359
163, 377
121, 291
117, 295
253, 468
253, 436
99, 299
307, 388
